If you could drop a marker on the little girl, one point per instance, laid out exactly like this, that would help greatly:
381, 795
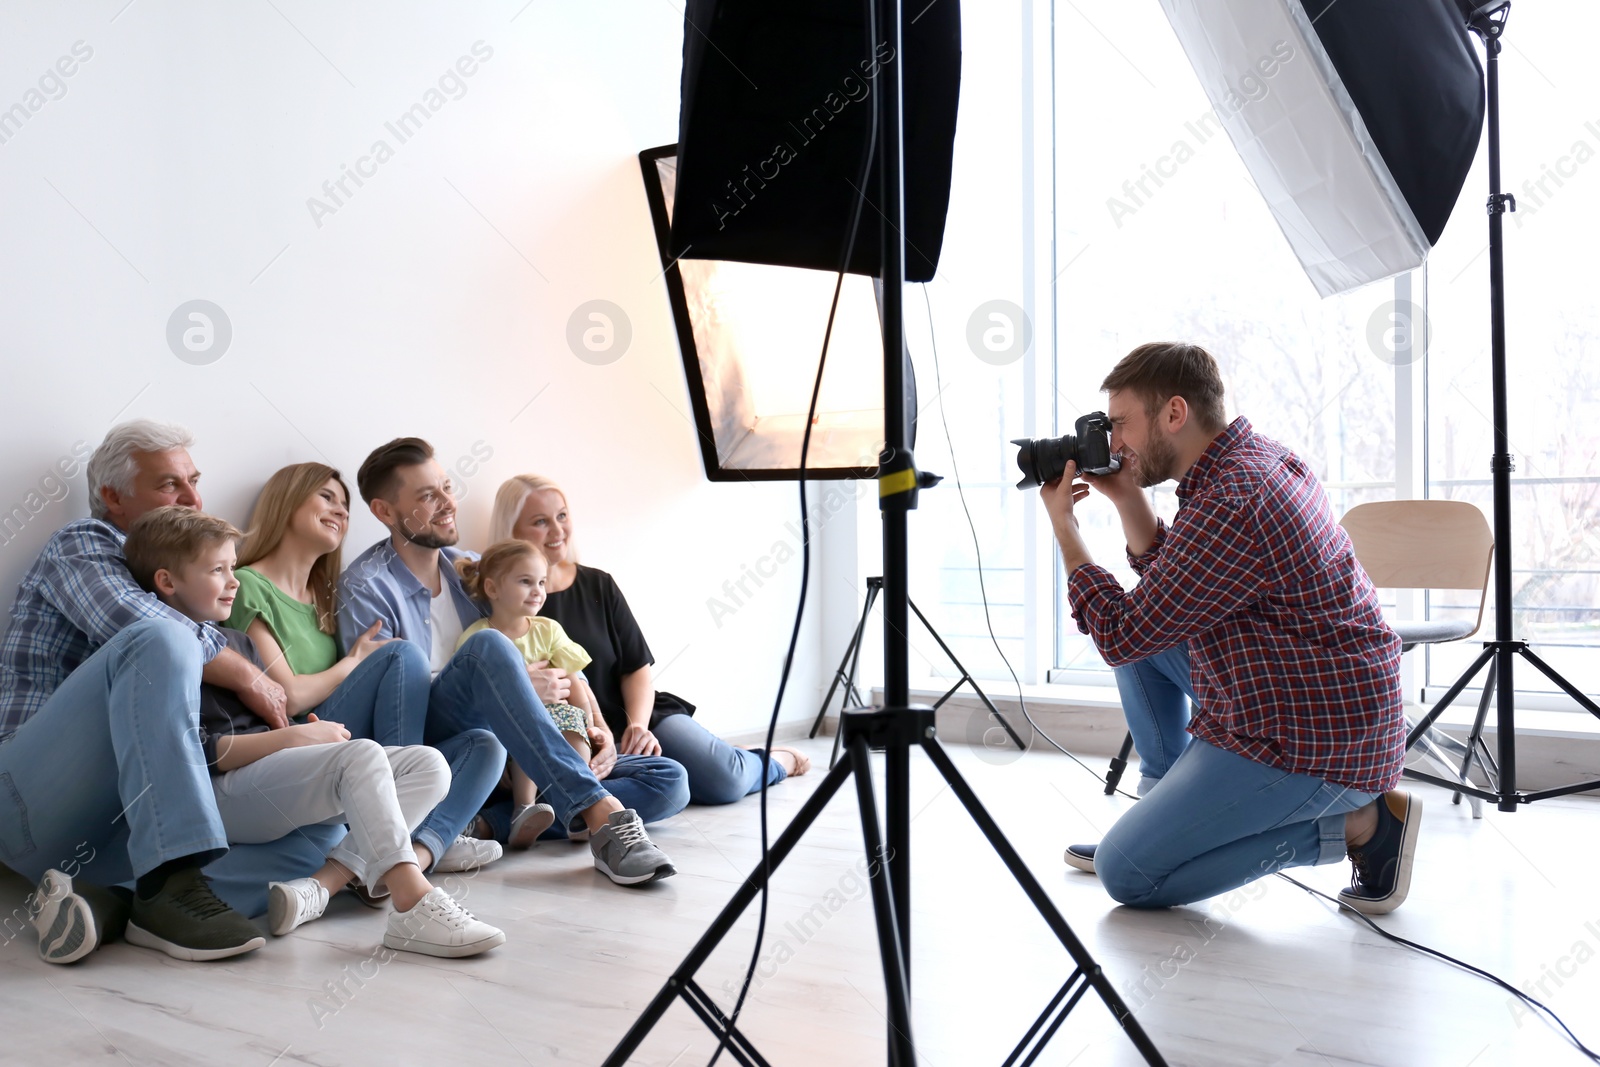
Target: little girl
509, 577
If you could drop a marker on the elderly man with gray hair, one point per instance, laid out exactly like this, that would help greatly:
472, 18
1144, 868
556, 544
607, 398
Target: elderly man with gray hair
101, 773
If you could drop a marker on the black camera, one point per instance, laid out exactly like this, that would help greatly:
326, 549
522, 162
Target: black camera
1046, 460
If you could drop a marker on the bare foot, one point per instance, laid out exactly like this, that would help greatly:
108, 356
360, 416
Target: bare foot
793, 761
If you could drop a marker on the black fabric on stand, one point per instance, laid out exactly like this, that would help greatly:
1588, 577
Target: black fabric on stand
777, 96
1413, 74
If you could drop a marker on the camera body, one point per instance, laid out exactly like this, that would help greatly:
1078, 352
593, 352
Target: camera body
1046, 459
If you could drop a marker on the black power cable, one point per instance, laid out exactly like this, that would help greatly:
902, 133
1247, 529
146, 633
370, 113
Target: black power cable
1545, 1012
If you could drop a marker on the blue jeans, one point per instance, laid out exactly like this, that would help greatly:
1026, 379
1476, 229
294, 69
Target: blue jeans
385, 698
485, 686
1156, 695
719, 773
1217, 821
111, 765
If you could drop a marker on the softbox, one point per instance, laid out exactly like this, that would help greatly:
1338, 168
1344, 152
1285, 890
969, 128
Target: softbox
777, 103
1358, 120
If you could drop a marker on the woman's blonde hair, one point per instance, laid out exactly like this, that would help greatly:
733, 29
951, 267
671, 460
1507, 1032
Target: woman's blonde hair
512, 497
280, 498
494, 562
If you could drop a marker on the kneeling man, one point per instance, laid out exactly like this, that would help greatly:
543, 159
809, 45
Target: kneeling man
1298, 737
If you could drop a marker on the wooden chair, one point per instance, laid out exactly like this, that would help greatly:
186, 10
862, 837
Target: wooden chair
1432, 544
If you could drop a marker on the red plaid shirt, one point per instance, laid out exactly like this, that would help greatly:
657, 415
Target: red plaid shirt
1293, 665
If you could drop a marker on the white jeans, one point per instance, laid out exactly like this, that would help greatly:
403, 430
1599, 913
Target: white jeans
383, 793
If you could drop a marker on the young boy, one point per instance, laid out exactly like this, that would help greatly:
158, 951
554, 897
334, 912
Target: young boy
268, 782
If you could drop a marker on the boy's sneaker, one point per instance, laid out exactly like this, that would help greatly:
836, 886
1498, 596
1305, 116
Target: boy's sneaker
468, 854
439, 926
1080, 856
289, 904
1383, 865
528, 823
73, 921
187, 921
625, 854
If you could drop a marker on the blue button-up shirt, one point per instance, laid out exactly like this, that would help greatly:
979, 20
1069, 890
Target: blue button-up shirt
77, 596
377, 586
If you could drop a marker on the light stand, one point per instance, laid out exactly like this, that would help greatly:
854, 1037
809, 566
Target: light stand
845, 674
1499, 655
898, 726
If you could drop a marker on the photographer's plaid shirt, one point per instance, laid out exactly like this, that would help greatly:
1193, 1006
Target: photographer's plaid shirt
1293, 665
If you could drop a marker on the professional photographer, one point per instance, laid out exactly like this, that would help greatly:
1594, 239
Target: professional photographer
1254, 593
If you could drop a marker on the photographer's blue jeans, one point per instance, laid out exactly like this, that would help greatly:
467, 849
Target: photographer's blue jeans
1216, 821
1156, 700
485, 686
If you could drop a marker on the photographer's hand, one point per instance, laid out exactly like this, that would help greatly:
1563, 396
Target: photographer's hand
1132, 504
1059, 497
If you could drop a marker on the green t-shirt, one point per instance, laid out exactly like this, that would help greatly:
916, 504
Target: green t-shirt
293, 624
545, 640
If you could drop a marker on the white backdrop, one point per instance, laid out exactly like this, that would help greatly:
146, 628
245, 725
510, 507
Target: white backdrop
158, 153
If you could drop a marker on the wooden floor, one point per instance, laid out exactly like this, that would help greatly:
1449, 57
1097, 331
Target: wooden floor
1268, 976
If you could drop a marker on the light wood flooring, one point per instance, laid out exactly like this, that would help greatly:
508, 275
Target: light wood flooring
1269, 976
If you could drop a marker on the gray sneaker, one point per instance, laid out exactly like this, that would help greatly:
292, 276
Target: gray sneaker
73, 920
624, 853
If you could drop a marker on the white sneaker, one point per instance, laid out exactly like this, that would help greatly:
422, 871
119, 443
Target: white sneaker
439, 926
294, 903
468, 854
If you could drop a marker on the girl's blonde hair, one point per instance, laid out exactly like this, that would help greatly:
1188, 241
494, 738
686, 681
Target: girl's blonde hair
280, 498
512, 497
494, 562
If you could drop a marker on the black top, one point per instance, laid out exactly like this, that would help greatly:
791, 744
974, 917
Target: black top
221, 710
596, 615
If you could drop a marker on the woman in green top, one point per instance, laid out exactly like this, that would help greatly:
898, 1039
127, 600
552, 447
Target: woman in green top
378, 689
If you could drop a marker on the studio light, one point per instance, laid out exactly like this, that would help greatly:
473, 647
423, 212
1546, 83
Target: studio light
1358, 120
749, 335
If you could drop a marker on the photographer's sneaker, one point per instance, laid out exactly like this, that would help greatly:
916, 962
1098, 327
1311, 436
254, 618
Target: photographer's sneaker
289, 904
1383, 864
468, 854
73, 921
439, 926
1080, 856
187, 921
528, 823
624, 853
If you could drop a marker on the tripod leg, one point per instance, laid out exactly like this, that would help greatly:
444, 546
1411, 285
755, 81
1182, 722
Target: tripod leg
1455, 690
678, 984
967, 678
1567, 687
851, 653
1475, 744
902, 1051
1042, 903
1118, 765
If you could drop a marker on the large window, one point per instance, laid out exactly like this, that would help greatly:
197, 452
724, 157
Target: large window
1155, 231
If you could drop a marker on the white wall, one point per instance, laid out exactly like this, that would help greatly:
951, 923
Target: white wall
434, 300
